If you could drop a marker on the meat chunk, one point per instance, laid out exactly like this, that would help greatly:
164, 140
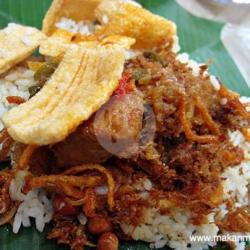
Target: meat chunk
118, 125
80, 147
113, 130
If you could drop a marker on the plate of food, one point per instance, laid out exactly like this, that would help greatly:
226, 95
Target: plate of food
112, 137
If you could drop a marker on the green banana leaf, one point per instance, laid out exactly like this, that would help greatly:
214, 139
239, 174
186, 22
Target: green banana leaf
198, 37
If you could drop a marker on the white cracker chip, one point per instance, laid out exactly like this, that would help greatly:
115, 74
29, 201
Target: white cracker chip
126, 19
56, 44
77, 10
17, 42
82, 83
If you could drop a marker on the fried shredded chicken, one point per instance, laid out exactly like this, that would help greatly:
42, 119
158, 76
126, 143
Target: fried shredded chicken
70, 234
7, 143
236, 221
5, 200
178, 126
110, 180
8, 207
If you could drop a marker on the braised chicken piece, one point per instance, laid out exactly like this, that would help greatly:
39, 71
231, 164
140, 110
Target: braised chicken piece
113, 130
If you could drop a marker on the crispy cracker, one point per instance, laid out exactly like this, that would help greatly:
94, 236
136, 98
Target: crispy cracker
17, 42
123, 41
82, 83
60, 40
56, 44
77, 10
126, 19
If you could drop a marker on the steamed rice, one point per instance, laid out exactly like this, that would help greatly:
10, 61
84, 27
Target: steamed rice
173, 230
84, 28
15, 83
35, 205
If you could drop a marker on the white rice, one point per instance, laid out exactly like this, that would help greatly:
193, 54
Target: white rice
147, 184
173, 230
238, 139
35, 205
82, 27
82, 218
215, 82
15, 83
184, 58
17, 185
85, 27
245, 100
235, 185
176, 46
101, 190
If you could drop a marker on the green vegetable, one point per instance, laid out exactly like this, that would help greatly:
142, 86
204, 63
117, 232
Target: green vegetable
45, 71
145, 79
142, 76
139, 73
33, 90
154, 57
